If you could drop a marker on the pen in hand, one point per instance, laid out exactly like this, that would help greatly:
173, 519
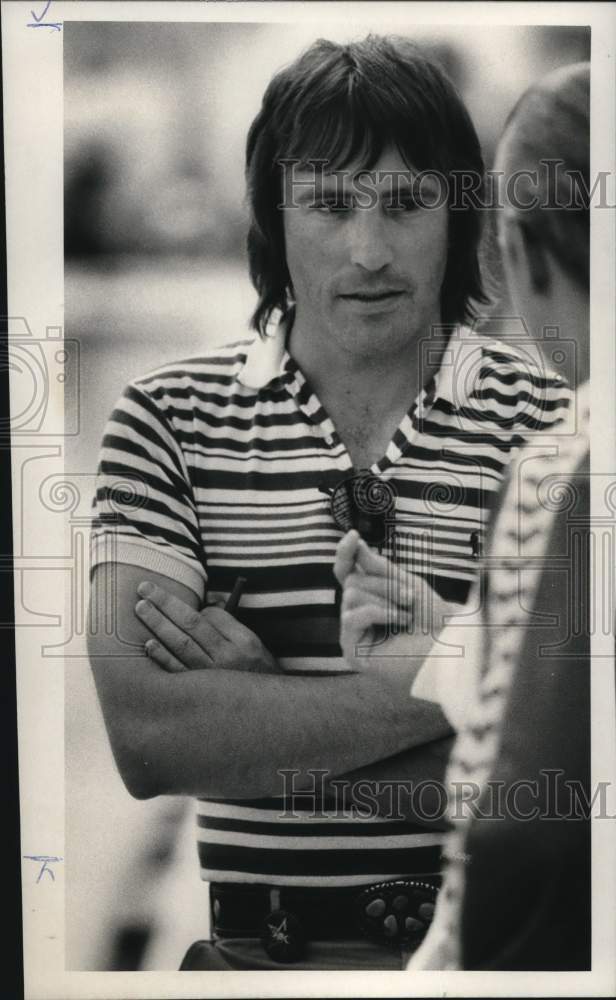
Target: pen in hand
236, 594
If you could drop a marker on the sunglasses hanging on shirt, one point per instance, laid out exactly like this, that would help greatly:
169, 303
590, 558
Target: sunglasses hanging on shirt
364, 502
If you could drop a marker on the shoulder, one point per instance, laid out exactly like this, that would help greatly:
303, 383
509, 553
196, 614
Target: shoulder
190, 383
175, 390
219, 366
518, 387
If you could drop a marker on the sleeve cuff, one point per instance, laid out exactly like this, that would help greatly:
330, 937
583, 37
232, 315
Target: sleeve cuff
148, 558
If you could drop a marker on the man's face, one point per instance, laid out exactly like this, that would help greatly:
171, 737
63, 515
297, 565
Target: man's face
367, 263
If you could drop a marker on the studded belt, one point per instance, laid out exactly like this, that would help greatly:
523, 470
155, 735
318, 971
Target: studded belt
286, 919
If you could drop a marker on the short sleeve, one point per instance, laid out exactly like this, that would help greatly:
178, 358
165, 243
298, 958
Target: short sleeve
144, 512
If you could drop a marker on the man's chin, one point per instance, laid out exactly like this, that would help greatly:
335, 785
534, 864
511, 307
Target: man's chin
371, 336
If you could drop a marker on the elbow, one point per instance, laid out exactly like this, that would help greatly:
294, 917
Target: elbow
134, 755
135, 765
138, 777
131, 725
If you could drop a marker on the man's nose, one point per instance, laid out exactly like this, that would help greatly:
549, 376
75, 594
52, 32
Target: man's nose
369, 243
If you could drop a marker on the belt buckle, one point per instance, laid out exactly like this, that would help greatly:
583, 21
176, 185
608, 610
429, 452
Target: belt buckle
282, 936
396, 913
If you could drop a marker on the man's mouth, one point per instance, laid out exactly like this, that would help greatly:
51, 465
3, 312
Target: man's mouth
381, 295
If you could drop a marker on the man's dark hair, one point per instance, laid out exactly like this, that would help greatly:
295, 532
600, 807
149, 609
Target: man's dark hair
346, 104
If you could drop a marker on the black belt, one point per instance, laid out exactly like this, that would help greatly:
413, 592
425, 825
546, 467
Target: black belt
395, 913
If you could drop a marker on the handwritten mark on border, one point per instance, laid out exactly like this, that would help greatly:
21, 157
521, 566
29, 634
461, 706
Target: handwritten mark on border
39, 23
44, 860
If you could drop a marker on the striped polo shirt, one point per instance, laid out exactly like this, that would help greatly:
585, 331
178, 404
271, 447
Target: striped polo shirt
224, 465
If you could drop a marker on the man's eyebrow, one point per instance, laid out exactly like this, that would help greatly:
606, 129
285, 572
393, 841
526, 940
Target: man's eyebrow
402, 180
307, 188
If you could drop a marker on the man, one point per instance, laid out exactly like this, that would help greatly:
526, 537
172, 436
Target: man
246, 463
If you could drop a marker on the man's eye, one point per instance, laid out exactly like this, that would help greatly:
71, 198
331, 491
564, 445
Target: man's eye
403, 203
332, 205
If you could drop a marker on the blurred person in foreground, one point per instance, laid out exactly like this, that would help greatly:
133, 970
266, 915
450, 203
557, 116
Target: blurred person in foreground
253, 460
516, 892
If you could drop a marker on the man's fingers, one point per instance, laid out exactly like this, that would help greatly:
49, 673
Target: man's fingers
355, 596
401, 589
411, 605
198, 624
364, 591
200, 639
361, 618
180, 613
371, 562
359, 586
354, 555
227, 625
345, 556
356, 630
180, 643
163, 658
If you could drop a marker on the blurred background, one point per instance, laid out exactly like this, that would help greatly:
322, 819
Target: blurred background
156, 117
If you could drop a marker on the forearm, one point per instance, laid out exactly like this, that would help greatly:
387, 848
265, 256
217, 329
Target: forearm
229, 734
409, 786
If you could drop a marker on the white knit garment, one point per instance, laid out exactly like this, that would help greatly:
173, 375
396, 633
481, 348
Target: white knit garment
537, 488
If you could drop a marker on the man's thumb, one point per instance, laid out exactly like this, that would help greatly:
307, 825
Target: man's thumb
371, 562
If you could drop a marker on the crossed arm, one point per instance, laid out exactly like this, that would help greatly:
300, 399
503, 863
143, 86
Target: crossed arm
226, 732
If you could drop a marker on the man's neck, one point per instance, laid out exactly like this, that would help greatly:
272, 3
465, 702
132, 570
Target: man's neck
389, 381
366, 397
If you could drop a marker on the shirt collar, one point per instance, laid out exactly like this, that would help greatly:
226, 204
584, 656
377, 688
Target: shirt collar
457, 362
265, 359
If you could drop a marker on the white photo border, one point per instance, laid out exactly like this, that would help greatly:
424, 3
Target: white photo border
33, 108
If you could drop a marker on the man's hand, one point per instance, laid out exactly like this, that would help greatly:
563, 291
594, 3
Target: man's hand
185, 639
166, 731
377, 593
